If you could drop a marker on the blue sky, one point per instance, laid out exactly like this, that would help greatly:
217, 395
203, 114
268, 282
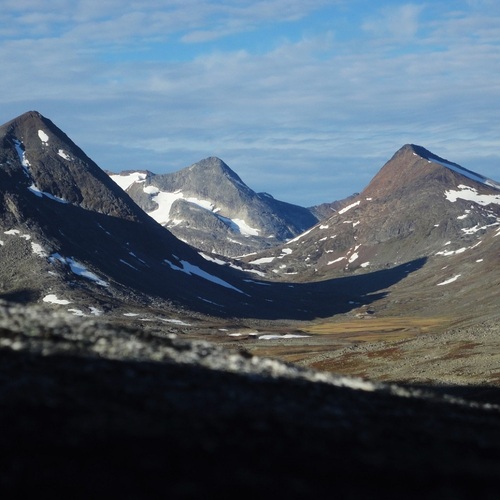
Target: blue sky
304, 100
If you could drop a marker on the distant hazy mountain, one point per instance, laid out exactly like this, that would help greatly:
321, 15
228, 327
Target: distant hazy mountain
210, 207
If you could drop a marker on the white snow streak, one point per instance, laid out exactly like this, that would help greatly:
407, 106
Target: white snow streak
335, 261
286, 336
451, 280
352, 205
78, 268
191, 269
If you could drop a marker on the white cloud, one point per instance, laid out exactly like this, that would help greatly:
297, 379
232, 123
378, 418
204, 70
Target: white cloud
400, 22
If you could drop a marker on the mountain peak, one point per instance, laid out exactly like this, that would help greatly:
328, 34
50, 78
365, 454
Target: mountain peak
215, 166
41, 159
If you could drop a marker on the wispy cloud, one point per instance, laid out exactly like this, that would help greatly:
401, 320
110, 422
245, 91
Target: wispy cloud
309, 117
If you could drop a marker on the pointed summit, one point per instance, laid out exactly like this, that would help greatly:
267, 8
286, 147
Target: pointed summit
414, 168
49, 163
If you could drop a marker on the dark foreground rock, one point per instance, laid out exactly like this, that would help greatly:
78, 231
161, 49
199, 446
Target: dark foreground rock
88, 409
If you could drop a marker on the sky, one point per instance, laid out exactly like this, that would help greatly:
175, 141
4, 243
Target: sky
303, 100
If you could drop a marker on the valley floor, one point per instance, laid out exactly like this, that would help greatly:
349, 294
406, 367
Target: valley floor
409, 350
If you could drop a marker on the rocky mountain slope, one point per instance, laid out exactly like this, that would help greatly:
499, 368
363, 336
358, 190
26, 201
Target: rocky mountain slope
211, 208
417, 206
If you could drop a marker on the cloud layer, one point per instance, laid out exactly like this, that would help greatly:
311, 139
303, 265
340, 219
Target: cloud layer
305, 100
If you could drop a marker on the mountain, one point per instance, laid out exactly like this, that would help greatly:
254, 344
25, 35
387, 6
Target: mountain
210, 207
418, 205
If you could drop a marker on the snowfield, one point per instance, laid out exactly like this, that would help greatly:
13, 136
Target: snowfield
470, 194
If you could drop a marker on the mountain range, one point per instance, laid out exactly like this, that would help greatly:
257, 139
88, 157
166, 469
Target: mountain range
72, 237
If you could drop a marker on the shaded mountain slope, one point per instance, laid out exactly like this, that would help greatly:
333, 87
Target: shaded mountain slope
210, 207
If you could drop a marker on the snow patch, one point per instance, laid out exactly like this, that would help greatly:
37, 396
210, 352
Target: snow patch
41, 194
77, 268
334, 261
470, 194
64, 155
285, 336
43, 137
245, 228
151, 190
175, 321
129, 265
213, 259
52, 299
451, 280
125, 181
477, 228
77, 312
263, 260
467, 173
297, 238
22, 155
452, 252
38, 250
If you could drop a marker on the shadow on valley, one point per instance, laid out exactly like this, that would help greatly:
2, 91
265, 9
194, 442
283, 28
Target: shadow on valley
129, 428
304, 301
146, 264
